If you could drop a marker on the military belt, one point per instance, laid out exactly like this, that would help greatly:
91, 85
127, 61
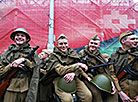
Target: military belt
21, 75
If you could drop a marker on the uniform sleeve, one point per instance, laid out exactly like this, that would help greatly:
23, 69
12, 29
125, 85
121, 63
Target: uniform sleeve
4, 69
62, 70
29, 64
114, 78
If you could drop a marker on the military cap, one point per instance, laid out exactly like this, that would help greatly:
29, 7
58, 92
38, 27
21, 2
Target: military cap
62, 36
20, 30
46, 51
124, 34
95, 37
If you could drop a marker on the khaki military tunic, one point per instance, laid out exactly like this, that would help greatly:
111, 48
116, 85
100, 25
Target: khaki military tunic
128, 83
93, 59
64, 63
20, 81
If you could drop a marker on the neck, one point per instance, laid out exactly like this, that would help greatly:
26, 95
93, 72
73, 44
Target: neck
125, 48
19, 45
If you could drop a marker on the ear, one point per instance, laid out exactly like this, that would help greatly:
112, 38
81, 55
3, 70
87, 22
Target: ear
123, 41
99, 45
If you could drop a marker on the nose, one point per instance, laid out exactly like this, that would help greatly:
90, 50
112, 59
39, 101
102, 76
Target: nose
19, 36
93, 44
64, 44
136, 40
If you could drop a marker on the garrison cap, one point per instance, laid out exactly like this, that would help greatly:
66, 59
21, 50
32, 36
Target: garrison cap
124, 34
20, 30
95, 37
62, 36
46, 51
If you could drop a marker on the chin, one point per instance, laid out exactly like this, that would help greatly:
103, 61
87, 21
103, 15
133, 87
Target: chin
93, 49
64, 50
19, 42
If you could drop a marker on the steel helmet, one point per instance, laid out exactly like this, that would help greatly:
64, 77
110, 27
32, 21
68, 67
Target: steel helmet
22, 30
63, 86
102, 82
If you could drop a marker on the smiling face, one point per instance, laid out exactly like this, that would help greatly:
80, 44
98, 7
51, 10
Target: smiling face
93, 45
43, 55
20, 39
130, 42
62, 44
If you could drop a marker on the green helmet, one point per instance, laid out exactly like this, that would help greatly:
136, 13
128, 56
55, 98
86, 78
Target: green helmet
22, 30
63, 86
102, 82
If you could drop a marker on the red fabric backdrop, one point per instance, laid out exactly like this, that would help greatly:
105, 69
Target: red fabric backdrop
79, 20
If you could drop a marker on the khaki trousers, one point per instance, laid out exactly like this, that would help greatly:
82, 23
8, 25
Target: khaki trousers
14, 96
81, 90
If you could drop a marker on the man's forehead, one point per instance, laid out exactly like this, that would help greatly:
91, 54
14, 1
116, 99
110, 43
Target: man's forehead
132, 36
62, 40
20, 33
97, 41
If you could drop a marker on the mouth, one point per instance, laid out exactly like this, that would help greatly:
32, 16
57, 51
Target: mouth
135, 44
19, 39
63, 49
92, 47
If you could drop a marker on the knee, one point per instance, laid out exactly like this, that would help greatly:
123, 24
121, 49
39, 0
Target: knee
96, 92
88, 97
67, 99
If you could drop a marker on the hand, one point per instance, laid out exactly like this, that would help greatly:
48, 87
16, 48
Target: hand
113, 88
21, 65
124, 97
69, 77
84, 66
17, 63
136, 99
89, 79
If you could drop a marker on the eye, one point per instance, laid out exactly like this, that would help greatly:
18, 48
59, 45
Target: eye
60, 43
95, 43
17, 34
22, 35
134, 39
65, 43
91, 42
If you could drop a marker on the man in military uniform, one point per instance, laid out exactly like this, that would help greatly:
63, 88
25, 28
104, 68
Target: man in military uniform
13, 59
44, 56
92, 57
127, 85
64, 63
